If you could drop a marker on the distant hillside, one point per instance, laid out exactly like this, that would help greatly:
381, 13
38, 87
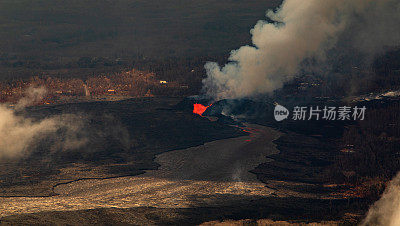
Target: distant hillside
56, 34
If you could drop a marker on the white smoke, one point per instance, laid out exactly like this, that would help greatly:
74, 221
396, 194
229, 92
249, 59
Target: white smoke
386, 211
19, 134
303, 30
32, 95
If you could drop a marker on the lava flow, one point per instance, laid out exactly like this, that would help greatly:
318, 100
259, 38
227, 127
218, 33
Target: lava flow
251, 131
200, 109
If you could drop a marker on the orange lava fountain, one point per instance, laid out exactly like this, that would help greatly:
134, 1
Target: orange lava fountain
200, 109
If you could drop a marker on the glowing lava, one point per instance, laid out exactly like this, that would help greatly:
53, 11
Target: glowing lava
251, 131
200, 109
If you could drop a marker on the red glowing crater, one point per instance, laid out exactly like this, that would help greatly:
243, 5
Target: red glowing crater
200, 109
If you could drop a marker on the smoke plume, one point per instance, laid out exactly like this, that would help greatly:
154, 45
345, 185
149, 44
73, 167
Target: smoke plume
32, 96
304, 30
61, 134
386, 211
19, 134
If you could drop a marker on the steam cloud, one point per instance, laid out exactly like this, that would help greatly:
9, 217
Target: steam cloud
386, 211
32, 95
19, 134
302, 30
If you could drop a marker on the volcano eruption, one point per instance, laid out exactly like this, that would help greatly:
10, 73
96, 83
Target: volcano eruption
200, 109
